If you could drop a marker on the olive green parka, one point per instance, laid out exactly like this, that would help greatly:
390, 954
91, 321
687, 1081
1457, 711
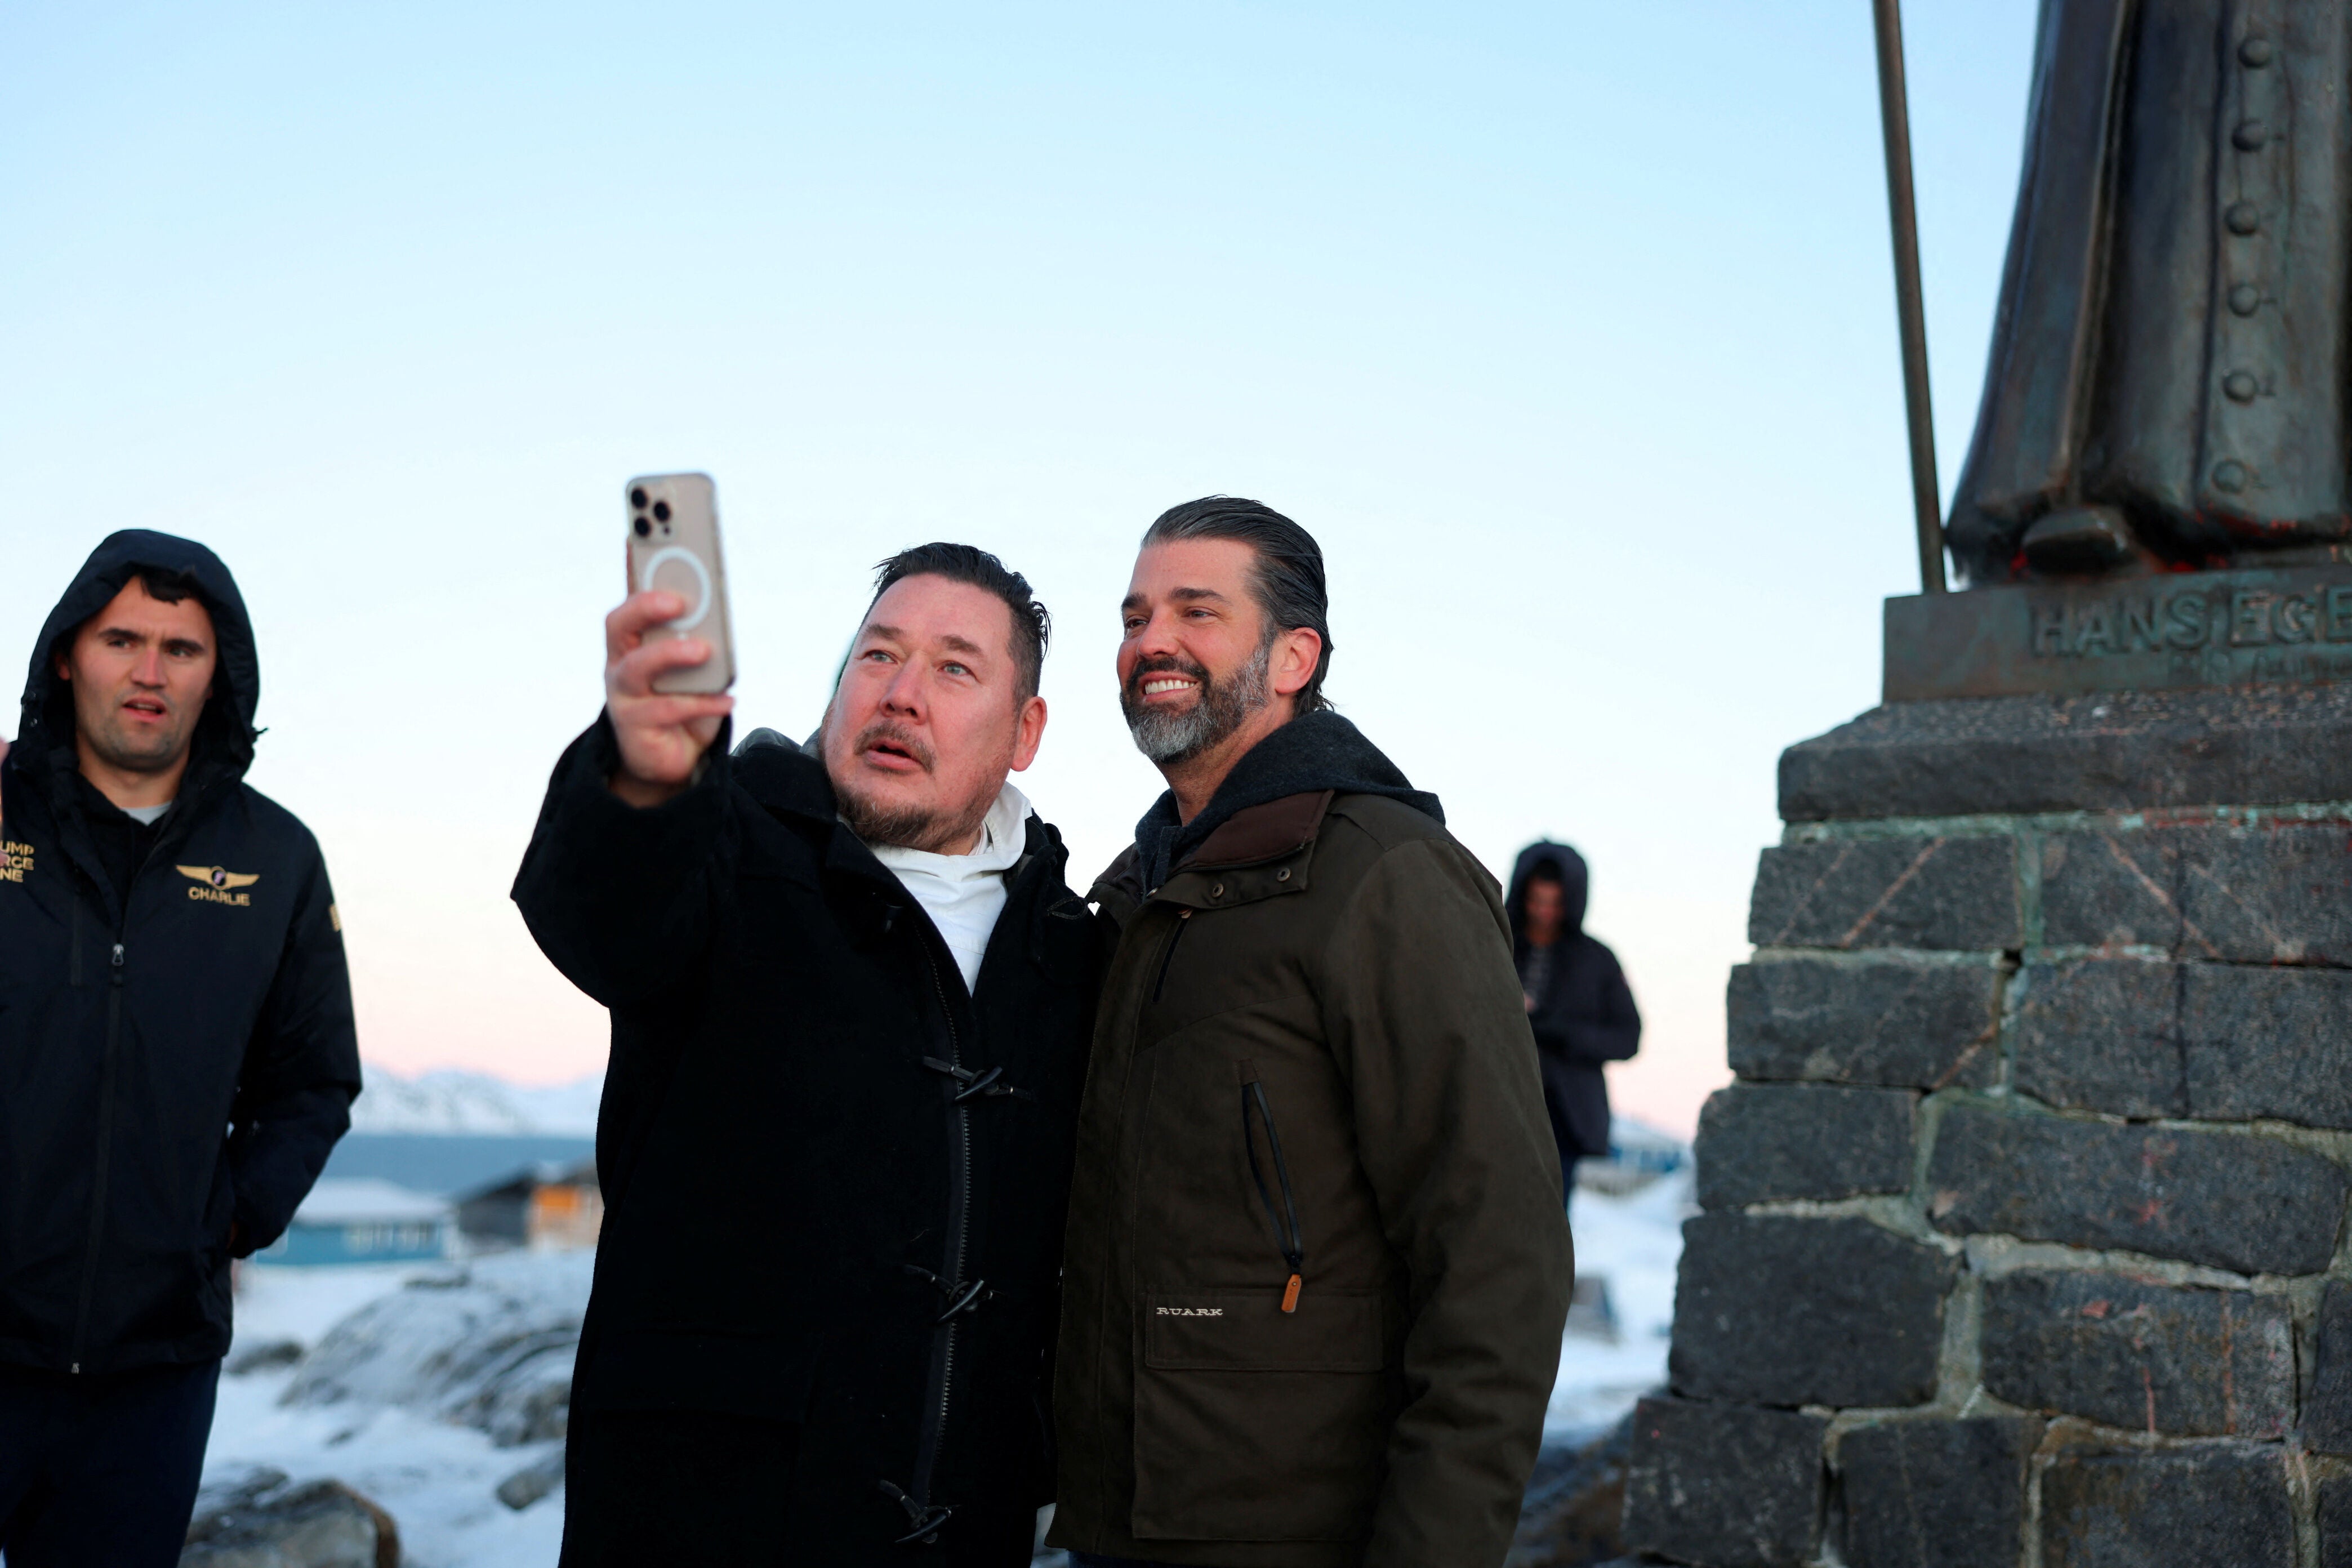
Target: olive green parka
1317, 1263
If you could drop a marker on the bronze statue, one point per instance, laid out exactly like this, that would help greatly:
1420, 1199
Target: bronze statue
2167, 384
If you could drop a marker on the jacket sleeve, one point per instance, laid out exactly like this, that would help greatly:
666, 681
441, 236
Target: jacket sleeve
1611, 1034
300, 1073
619, 897
1425, 1016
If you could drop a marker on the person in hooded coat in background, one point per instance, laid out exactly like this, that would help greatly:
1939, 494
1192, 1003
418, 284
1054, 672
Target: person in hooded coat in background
177, 1052
1578, 1002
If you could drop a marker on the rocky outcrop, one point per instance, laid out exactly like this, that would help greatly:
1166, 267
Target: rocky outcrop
261, 1519
490, 1347
1570, 1518
532, 1482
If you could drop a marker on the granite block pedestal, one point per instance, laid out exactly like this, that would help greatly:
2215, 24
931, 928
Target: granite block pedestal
2024, 1229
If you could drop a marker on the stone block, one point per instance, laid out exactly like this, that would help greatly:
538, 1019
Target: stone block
1784, 1310
2126, 1353
2232, 1200
2203, 1041
1763, 1142
2264, 1042
2102, 1035
1723, 1486
2202, 1508
1915, 1026
2111, 750
2334, 1497
1937, 1494
2271, 894
2327, 1411
1917, 892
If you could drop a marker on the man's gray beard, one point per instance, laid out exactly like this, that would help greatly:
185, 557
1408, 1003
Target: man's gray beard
1223, 708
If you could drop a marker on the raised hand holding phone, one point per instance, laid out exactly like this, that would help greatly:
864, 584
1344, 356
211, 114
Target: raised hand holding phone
668, 654
662, 734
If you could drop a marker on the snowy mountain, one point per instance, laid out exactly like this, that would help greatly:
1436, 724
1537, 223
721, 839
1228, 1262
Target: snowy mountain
453, 1100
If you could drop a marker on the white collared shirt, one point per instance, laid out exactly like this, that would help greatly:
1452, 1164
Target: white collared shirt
963, 894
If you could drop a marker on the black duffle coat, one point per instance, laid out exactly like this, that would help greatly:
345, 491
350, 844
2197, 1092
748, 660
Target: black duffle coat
834, 1180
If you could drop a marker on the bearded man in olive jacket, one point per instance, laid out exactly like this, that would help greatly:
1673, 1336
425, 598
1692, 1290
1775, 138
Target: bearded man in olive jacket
1317, 1267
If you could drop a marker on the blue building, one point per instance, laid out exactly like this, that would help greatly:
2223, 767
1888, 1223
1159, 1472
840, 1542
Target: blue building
363, 1219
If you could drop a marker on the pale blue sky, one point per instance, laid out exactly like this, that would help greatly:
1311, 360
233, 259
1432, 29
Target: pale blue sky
1569, 330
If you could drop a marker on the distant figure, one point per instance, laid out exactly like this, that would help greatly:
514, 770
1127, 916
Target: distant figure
1577, 999
177, 1053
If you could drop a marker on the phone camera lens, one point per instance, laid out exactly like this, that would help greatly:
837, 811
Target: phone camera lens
638, 498
661, 510
643, 528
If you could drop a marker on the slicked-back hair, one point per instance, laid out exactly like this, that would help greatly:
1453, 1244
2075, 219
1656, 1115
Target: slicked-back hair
1288, 582
1032, 625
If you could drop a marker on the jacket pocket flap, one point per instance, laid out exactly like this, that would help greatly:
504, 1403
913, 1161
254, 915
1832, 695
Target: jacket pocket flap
1247, 1330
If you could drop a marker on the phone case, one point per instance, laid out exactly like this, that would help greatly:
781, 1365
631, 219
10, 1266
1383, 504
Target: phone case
674, 545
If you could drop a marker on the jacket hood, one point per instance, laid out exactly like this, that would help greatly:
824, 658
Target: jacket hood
1316, 751
1574, 880
224, 732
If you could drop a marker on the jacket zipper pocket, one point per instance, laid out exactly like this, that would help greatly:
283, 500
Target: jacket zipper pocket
1169, 957
1286, 1219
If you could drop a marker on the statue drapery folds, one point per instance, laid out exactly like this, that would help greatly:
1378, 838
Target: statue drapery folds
2166, 388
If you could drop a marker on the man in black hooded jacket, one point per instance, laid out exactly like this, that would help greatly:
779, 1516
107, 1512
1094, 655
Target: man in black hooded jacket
1578, 1002
850, 995
176, 1048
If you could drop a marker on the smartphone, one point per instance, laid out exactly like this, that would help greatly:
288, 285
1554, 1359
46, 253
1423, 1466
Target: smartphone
674, 545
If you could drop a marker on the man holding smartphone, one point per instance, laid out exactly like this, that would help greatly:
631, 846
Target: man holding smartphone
851, 994
176, 1048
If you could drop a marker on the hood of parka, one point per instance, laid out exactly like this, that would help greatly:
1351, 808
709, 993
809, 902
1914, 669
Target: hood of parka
1314, 752
223, 745
1569, 866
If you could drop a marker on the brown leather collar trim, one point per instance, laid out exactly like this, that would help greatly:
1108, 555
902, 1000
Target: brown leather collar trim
1263, 832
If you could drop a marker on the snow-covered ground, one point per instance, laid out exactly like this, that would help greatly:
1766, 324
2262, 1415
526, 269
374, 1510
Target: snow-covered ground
1632, 1245
436, 1478
382, 1415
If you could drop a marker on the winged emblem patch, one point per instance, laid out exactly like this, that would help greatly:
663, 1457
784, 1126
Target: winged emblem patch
213, 876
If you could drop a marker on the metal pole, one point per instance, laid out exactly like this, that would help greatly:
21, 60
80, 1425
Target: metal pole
1894, 116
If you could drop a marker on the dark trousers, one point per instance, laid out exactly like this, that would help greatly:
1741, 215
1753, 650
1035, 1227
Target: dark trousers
695, 1490
101, 1472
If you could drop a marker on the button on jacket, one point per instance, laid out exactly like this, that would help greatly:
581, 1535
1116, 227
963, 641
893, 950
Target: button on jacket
1317, 1267
835, 1181
172, 1062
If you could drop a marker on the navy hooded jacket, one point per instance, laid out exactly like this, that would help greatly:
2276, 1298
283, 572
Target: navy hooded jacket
1586, 1015
171, 1063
